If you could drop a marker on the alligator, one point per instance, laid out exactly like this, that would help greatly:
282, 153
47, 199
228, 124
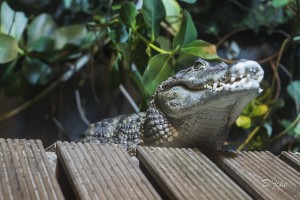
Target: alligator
194, 109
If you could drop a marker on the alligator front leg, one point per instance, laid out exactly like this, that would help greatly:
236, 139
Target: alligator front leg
124, 129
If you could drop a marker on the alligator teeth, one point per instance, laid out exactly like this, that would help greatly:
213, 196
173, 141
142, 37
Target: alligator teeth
248, 77
215, 86
232, 79
244, 80
232, 86
205, 86
241, 76
219, 89
226, 86
260, 77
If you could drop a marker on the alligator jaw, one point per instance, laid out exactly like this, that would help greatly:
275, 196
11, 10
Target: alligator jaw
194, 108
244, 74
218, 86
200, 104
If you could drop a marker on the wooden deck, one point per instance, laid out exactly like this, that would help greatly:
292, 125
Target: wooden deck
93, 171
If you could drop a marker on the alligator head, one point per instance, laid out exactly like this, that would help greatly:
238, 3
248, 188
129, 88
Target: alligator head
201, 102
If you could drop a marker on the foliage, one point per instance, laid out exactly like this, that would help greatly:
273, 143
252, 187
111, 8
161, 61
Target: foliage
41, 42
47, 43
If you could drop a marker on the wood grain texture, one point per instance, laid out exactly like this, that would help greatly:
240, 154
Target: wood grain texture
103, 172
188, 174
262, 174
25, 172
292, 159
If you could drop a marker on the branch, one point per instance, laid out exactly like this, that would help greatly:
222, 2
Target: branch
249, 138
152, 45
79, 107
230, 34
129, 98
277, 78
255, 130
289, 128
64, 77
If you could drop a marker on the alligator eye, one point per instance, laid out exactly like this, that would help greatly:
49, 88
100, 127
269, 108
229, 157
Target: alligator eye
200, 64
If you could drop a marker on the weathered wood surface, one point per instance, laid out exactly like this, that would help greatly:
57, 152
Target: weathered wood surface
103, 172
188, 174
293, 159
262, 174
25, 172
94, 171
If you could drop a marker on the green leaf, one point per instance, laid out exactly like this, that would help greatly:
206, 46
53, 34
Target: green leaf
187, 32
158, 70
185, 59
42, 26
15, 85
35, 71
73, 34
124, 48
153, 13
259, 110
294, 131
279, 103
164, 43
55, 56
115, 75
127, 14
173, 13
189, 1
294, 91
243, 122
285, 123
279, 3
122, 33
118, 33
137, 79
12, 23
268, 128
140, 57
9, 70
43, 45
201, 49
77, 6
91, 38
8, 48
297, 129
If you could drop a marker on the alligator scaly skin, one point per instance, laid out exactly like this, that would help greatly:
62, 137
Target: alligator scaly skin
193, 108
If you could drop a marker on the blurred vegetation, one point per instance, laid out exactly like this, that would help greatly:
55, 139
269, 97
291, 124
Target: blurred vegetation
147, 41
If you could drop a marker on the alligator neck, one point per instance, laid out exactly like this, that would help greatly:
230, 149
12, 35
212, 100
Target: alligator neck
205, 129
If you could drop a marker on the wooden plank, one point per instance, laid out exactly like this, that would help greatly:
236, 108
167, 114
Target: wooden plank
292, 159
100, 171
25, 172
188, 174
262, 174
